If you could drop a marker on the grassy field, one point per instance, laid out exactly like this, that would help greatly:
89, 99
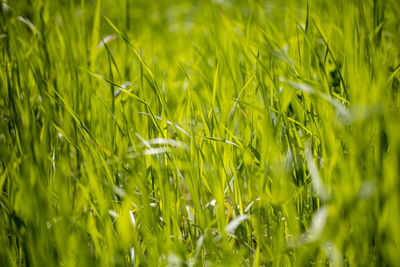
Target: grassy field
192, 133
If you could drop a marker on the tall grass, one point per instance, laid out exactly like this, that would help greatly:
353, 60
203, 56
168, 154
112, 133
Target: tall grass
232, 133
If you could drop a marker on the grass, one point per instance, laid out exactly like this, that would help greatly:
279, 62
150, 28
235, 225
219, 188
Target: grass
224, 133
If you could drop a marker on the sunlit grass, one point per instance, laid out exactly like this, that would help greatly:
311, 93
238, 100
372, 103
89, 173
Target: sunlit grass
151, 133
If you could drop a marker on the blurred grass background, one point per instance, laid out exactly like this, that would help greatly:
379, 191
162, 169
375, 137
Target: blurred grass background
192, 133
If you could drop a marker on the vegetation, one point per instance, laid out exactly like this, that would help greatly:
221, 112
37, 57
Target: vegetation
231, 133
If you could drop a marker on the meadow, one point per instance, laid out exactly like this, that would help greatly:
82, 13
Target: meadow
199, 133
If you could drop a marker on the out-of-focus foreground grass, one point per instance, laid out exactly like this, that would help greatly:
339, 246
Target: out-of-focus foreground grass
199, 133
